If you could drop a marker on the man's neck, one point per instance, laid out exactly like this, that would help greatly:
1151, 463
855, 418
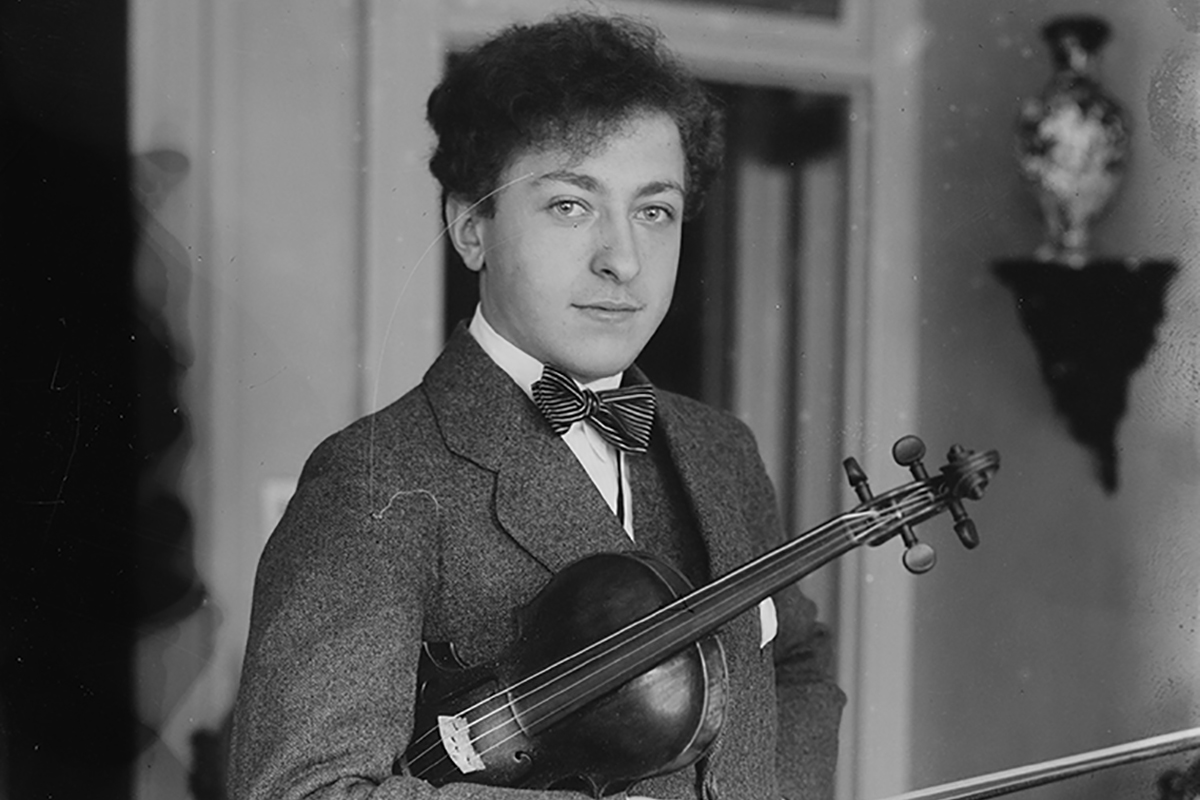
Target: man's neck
520, 366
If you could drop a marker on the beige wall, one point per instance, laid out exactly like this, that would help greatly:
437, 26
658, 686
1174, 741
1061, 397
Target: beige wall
1074, 626
263, 99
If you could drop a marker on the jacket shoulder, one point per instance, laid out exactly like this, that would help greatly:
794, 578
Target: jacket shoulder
404, 426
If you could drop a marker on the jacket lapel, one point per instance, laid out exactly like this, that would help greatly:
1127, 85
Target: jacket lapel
544, 499
703, 463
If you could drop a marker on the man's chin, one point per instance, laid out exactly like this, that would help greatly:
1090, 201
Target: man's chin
591, 355
594, 367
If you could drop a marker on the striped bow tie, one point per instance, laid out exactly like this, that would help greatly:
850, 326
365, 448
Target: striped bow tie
622, 416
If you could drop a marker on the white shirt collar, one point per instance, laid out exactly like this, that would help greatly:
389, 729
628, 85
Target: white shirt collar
520, 366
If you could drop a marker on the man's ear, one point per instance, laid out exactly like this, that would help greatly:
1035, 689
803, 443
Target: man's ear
464, 226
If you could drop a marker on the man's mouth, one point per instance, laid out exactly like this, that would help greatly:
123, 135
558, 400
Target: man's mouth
610, 307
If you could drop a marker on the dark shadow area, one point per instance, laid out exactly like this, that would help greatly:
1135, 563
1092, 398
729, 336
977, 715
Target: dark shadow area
1092, 328
70, 353
1180, 783
820, 9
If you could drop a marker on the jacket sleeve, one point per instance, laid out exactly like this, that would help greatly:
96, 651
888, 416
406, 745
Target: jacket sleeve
325, 703
809, 701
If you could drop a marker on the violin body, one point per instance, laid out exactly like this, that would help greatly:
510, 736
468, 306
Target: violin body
662, 720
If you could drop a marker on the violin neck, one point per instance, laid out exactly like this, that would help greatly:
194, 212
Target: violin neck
713, 605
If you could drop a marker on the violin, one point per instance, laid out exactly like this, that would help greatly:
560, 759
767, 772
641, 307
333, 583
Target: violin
617, 674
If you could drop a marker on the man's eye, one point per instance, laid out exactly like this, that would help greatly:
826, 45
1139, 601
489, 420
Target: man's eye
568, 208
657, 214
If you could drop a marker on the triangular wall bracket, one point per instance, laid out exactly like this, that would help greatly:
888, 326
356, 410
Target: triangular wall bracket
1092, 326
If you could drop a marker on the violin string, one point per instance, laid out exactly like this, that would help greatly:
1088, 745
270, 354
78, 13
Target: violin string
476, 738
875, 525
876, 520
647, 622
490, 717
913, 500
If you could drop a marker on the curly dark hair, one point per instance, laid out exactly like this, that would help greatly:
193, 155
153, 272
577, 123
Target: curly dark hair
569, 82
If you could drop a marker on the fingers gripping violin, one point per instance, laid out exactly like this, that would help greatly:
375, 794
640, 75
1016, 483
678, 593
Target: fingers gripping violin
617, 673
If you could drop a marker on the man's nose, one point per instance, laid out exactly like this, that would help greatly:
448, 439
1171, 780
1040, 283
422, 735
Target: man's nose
616, 255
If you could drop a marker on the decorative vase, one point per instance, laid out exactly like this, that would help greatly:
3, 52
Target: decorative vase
1072, 140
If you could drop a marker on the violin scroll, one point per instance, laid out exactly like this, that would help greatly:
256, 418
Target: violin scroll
966, 475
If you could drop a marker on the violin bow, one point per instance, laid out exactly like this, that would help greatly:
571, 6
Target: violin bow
1027, 777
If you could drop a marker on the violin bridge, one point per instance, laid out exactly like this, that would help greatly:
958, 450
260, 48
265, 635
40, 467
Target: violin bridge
456, 740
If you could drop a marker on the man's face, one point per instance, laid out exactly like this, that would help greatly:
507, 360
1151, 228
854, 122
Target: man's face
578, 262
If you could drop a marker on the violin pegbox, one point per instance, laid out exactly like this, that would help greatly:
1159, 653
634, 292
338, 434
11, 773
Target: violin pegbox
965, 475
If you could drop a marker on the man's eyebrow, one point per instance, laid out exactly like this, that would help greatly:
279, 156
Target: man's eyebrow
585, 182
590, 184
658, 187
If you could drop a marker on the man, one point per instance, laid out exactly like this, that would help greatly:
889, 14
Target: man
569, 153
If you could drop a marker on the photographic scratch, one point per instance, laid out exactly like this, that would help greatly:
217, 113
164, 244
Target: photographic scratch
268, 379
408, 278
54, 387
391, 500
62, 484
387, 333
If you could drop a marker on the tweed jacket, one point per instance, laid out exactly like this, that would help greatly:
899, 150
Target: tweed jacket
437, 517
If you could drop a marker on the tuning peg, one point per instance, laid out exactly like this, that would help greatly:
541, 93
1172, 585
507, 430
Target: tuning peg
964, 526
858, 479
908, 452
918, 556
